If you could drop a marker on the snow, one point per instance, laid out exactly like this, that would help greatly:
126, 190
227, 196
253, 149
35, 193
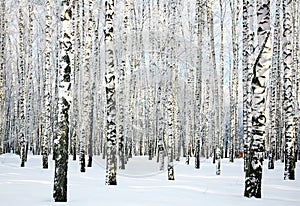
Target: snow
142, 184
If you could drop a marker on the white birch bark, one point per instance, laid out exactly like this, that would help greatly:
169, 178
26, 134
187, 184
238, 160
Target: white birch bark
288, 101
29, 79
260, 71
279, 85
251, 50
296, 58
245, 76
170, 104
198, 91
111, 141
62, 139
273, 88
76, 91
2, 71
21, 93
47, 87
121, 116
234, 82
86, 91
222, 125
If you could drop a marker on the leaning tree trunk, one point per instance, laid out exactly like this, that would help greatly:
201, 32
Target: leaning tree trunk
288, 101
111, 139
62, 139
260, 68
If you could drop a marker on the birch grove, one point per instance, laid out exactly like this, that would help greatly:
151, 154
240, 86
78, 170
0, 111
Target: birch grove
154, 81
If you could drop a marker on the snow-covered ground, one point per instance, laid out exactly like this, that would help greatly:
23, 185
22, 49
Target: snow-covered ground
142, 184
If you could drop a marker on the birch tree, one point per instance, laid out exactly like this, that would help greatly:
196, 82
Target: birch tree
76, 91
30, 80
234, 83
277, 44
111, 141
170, 104
274, 81
245, 73
121, 129
86, 116
62, 139
288, 101
198, 92
2, 71
260, 69
21, 95
222, 129
296, 57
47, 87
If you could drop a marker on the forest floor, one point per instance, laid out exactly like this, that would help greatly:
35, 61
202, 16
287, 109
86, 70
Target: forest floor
142, 184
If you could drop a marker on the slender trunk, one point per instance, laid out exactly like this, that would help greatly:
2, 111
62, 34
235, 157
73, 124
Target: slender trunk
29, 96
111, 157
47, 87
121, 126
288, 101
245, 77
274, 80
21, 95
76, 90
2, 72
198, 91
222, 125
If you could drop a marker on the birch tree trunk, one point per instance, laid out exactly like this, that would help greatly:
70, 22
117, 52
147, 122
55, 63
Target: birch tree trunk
288, 101
47, 87
222, 126
216, 129
21, 95
170, 104
274, 80
245, 76
111, 141
277, 67
62, 139
76, 90
86, 116
296, 56
260, 69
2, 71
198, 92
251, 52
29, 96
84, 97
121, 128
234, 83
